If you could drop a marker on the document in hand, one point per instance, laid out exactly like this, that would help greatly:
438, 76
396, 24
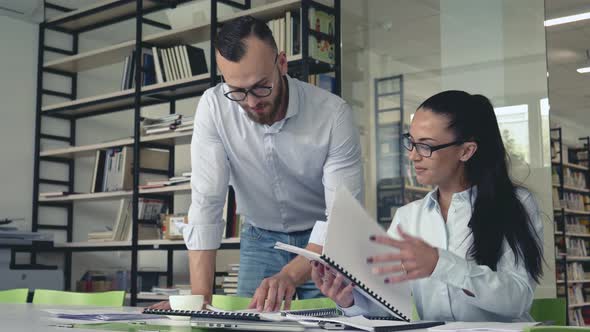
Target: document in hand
346, 249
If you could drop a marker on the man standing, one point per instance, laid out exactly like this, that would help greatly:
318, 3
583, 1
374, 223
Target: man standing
284, 146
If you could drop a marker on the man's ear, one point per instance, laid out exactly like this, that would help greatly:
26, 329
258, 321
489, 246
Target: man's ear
283, 63
469, 149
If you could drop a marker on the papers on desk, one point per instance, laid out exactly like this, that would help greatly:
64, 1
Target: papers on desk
483, 326
99, 315
358, 322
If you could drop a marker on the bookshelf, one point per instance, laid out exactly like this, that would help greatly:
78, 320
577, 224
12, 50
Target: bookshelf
571, 201
68, 107
396, 183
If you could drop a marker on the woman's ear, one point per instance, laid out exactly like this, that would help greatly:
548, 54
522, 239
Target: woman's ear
469, 149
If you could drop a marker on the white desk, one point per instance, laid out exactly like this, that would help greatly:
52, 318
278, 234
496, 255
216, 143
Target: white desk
32, 318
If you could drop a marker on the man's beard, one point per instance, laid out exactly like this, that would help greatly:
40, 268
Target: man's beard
275, 106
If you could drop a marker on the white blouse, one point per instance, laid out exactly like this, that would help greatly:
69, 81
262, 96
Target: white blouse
503, 295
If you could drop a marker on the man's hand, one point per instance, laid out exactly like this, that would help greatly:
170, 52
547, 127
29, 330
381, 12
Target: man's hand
164, 305
272, 291
334, 286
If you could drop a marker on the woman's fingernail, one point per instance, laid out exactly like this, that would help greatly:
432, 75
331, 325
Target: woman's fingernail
370, 260
372, 237
386, 280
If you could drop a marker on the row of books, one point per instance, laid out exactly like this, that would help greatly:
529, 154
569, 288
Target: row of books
164, 65
167, 123
571, 177
101, 281
579, 316
573, 201
149, 228
113, 168
575, 224
229, 284
576, 247
572, 155
576, 294
287, 34
575, 271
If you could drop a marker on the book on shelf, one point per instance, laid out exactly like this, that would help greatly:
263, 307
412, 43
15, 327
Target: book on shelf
169, 182
49, 194
321, 21
172, 122
286, 31
324, 81
129, 64
113, 168
164, 65
100, 236
229, 283
170, 230
555, 151
148, 214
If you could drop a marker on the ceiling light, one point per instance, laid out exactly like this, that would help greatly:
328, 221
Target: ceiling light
567, 19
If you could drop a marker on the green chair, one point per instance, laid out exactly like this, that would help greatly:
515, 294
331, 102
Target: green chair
319, 303
553, 310
231, 303
557, 329
18, 295
104, 299
226, 302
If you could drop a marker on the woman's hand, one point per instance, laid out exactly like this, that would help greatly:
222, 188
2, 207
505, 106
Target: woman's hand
416, 259
333, 286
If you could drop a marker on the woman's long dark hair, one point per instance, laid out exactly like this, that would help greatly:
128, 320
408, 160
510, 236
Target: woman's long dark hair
498, 214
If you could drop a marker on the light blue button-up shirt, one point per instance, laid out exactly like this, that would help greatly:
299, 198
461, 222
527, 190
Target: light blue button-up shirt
502, 295
284, 175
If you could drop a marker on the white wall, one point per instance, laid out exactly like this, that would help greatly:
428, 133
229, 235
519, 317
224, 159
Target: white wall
18, 70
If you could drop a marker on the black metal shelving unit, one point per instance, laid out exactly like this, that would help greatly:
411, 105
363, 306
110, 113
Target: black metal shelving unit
561, 212
390, 180
74, 22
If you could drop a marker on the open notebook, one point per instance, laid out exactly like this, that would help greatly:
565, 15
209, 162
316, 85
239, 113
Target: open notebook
346, 249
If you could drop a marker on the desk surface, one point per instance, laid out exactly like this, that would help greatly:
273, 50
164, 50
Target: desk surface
32, 318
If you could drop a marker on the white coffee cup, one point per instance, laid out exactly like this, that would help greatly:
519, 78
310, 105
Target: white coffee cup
185, 302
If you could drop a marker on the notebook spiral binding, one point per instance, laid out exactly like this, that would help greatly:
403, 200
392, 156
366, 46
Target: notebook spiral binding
204, 314
364, 287
324, 312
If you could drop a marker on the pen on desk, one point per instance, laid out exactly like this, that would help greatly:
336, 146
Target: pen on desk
67, 326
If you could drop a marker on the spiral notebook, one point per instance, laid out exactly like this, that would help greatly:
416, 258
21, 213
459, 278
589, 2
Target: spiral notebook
240, 315
346, 249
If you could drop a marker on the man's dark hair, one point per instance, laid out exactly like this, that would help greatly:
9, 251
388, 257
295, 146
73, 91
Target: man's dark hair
230, 39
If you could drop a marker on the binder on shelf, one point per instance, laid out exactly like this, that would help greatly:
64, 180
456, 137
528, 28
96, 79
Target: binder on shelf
113, 168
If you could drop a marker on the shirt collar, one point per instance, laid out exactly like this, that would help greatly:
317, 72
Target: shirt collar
469, 195
293, 106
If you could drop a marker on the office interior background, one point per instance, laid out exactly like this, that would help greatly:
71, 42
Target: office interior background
394, 54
